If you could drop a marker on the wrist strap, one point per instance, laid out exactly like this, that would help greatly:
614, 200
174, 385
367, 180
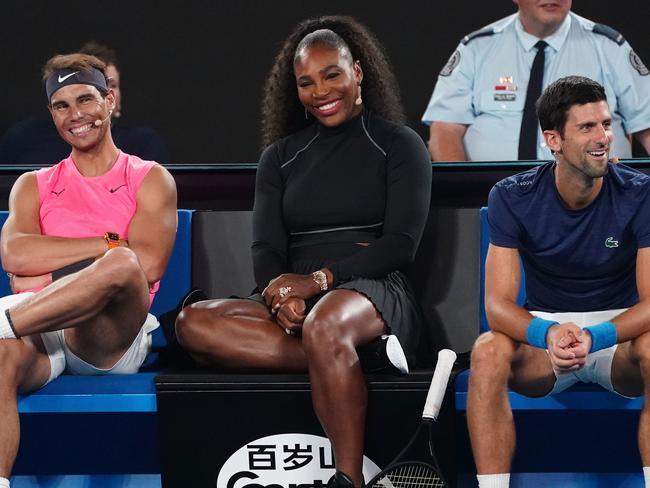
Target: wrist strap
71, 268
603, 335
537, 330
11, 324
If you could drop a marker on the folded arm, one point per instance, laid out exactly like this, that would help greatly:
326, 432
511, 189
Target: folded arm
24, 251
446, 141
153, 227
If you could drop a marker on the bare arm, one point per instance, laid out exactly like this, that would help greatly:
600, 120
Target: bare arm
153, 227
644, 138
446, 141
502, 277
24, 251
636, 320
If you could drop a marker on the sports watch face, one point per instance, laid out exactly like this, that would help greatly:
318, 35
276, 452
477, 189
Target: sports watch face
112, 239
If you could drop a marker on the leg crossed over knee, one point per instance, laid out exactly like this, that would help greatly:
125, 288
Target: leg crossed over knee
325, 339
120, 268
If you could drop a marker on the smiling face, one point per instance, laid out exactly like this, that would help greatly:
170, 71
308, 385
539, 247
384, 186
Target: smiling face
328, 83
75, 108
583, 146
542, 18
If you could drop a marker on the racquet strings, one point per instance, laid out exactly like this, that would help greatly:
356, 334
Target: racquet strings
410, 475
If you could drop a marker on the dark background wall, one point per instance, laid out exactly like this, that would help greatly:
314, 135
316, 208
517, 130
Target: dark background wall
193, 70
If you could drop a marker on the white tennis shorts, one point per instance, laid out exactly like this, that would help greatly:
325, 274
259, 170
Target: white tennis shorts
598, 368
63, 359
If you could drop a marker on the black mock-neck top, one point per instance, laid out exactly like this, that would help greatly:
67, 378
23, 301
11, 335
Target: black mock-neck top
352, 198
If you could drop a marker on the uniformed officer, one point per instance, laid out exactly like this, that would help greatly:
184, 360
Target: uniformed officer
476, 108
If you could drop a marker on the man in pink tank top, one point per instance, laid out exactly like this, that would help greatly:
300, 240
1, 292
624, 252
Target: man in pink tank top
85, 245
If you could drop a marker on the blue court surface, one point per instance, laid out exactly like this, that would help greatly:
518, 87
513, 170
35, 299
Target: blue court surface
565, 480
518, 480
80, 481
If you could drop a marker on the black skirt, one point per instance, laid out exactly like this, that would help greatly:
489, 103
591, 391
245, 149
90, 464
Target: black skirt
393, 298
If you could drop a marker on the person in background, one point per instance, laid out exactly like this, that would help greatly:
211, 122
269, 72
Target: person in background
342, 196
483, 105
36, 141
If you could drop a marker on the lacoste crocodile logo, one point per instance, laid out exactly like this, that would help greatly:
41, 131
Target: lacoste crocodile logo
610, 242
113, 190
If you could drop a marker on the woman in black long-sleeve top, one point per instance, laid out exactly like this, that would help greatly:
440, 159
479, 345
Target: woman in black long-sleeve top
341, 199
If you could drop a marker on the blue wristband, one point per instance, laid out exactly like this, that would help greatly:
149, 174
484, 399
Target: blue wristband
603, 335
536, 333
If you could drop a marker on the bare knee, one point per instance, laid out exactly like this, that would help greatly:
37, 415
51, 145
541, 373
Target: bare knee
188, 324
194, 320
324, 335
492, 355
121, 268
641, 353
12, 361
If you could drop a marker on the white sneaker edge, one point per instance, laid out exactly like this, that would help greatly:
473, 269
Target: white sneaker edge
396, 355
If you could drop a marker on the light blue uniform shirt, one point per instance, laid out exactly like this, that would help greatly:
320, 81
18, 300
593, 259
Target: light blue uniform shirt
484, 83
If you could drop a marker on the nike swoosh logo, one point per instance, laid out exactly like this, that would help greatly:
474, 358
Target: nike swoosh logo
57, 193
63, 78
113, 190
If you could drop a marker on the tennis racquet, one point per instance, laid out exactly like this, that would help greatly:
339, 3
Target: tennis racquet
402, 473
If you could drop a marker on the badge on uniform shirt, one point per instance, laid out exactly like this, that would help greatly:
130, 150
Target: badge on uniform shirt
505, 84
505, 97
454, 60
637, 64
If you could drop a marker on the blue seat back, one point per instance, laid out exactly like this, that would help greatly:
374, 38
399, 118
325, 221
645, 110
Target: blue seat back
4, 279
176, 281
485, 242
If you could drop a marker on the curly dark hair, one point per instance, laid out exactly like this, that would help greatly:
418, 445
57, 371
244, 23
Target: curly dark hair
282, 112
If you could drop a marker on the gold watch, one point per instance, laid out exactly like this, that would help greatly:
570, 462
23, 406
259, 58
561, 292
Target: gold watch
321, 279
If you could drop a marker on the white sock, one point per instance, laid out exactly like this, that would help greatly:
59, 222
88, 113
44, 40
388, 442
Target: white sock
4, 482
646, 475
6, 332
501, 480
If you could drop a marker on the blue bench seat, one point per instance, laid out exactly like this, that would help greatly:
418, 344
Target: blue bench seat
110, 393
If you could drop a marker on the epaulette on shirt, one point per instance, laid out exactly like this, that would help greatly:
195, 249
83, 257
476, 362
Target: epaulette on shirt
488, 31
607, 31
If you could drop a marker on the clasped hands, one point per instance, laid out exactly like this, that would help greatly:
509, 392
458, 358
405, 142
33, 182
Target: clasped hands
568, 346
286, 296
